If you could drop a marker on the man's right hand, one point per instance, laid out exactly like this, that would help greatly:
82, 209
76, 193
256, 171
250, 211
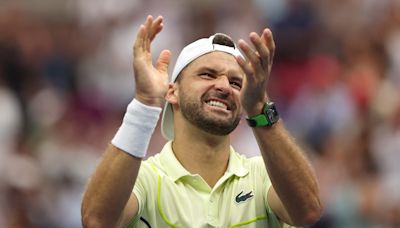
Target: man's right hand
151, 81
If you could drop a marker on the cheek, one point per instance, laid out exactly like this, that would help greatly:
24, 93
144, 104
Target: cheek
198, 92
239, 109
189, 94
237, 99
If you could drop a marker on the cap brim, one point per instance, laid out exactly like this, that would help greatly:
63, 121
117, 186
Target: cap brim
167, 122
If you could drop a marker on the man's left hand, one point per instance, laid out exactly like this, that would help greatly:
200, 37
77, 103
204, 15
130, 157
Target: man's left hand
257, 69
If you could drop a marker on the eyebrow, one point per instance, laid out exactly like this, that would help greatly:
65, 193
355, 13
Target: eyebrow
235, 76
209, 69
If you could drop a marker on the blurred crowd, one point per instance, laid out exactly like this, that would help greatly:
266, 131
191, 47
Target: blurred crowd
66, 78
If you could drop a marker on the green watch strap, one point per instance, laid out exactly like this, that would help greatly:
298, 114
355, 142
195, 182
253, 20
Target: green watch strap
258, 121
268, 117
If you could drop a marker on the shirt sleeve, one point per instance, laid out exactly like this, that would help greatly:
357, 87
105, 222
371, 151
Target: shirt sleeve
262, 177
145, 182
274, 221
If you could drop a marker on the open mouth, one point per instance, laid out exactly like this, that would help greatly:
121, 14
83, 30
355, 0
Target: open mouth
218, 104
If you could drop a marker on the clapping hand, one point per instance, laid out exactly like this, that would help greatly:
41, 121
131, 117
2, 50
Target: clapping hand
257, 69
151, 81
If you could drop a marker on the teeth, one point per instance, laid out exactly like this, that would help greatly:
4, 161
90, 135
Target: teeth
217, 104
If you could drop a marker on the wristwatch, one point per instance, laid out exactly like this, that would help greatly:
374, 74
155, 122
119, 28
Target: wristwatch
268, 117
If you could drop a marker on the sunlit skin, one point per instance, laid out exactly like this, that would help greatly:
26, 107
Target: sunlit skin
214, 76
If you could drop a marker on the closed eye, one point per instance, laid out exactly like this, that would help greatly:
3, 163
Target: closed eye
207, 75
236, 85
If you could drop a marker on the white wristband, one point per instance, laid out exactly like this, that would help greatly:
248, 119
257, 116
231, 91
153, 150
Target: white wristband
138, 125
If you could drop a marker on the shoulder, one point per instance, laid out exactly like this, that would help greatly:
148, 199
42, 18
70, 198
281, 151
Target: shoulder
146, 180
251, 170
155, 166
150, 166
253, 164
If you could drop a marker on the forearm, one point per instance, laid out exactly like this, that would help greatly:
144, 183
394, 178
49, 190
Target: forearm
290, 172
112, 183
109, 188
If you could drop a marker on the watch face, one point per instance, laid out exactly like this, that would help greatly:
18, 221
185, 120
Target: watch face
271, 113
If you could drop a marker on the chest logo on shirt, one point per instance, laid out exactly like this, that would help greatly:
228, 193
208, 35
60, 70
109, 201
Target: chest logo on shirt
243, 197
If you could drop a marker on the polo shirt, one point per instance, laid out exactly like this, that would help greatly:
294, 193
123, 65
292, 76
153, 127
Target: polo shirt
170, 196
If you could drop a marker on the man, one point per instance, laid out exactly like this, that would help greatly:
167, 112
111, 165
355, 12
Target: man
198, 180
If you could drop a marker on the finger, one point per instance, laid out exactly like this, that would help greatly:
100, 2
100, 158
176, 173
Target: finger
147, 26
261, 49
252, 56
248, 71
139, 42
269, 41
163, 61
156, 27
160, 28
148, 23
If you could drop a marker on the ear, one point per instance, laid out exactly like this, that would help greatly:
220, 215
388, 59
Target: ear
172, 93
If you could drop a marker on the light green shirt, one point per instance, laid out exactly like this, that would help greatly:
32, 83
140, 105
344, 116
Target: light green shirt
169, 196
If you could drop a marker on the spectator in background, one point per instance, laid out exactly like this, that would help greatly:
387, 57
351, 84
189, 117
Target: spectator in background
53, 52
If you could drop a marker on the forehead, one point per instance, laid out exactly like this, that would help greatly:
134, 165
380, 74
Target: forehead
219, 61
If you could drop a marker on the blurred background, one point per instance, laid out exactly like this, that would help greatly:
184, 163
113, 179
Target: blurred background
66, 78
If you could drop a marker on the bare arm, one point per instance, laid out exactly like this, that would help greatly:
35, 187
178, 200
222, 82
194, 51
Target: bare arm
109, 189
294, 196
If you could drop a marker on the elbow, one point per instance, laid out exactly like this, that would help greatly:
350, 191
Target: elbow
89, 221
90, 218
93, 220
94, 217
312, 215
308, 216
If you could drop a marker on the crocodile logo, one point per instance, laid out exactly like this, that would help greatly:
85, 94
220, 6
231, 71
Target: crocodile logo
241, 198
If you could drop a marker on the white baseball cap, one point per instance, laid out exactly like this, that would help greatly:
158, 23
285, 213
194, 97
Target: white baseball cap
189, 54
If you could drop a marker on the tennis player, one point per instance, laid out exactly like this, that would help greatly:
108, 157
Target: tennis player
198, 179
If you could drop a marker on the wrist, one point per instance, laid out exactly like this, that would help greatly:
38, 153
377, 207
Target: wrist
255, 109
137, 127
257, 106
150, 101
268, 116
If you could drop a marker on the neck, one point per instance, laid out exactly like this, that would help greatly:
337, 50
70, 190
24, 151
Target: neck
206, 155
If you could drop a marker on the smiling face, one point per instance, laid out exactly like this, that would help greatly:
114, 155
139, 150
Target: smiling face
209, 93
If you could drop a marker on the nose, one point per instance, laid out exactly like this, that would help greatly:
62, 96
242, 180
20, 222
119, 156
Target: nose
222, 85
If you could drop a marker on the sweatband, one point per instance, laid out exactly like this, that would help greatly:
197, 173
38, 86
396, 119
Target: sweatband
133, 136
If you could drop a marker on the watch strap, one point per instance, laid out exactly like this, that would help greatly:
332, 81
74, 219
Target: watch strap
257, 121
265, 118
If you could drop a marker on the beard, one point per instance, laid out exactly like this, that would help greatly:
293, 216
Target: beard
193, 112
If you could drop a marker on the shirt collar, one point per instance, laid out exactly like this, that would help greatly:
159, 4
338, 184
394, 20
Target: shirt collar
235, 165
175, 170
172, 166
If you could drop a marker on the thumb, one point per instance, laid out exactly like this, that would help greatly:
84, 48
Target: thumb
163, 61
